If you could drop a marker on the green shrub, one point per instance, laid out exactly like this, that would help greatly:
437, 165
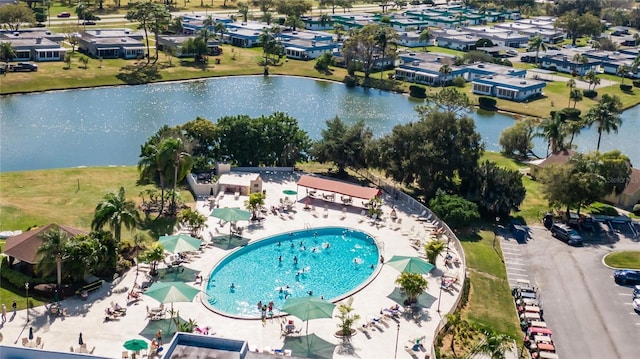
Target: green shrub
454, 210
603, 209
458, 81
417, 91
350, 81
18, 279
569, 114
636, 83
625, 87
590, 93
487, 103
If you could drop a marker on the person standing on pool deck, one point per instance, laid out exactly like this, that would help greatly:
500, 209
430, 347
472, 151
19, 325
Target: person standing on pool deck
159, 337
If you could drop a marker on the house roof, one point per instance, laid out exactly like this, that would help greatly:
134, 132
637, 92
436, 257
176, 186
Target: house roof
344, 188
25, 246
557, 158
634, 183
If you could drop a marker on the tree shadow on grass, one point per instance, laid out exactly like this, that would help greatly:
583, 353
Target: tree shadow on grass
159, 226
204, 66
139, 74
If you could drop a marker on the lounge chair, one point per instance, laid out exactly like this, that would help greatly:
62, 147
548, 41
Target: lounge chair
373, 219
344, 213
125, 355
25, 342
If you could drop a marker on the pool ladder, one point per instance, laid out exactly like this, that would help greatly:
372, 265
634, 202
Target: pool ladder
307, 226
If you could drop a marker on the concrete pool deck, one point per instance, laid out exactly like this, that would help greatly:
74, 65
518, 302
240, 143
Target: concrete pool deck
60, 334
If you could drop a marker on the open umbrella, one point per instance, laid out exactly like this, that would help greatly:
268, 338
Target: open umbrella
177, 274
171, 292
309, 346
166, 325
180, 243
307, 308
410, 264
424, 300
231, 214
135, 345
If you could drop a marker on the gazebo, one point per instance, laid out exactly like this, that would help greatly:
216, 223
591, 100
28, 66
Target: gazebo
346, 189
24, 247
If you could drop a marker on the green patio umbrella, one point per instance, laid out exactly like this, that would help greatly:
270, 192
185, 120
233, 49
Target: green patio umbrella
309, 346
167, 325
424, 300
179, 243
135, 345
410, 264
177, 274
307, 308
170, 292
231, 214
289, 192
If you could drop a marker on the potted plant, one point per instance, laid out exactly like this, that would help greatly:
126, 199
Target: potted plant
413, 285
153, 256
347, 318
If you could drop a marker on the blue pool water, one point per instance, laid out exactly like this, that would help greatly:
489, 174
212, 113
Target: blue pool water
330, 263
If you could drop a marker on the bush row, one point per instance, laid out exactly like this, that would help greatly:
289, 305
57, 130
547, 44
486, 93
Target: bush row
590, 93
417, 91
487, 103
16, 278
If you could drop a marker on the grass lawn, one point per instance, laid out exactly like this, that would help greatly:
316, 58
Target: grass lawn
623, 259
490, 301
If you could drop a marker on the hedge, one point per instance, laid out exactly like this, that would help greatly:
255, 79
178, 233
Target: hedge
590, 93
636, 83
350, 81
625, 87
459, 81
417, 91
487, 103
16, 278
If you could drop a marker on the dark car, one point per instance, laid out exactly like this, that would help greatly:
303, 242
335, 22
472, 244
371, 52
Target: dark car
627, 276
566, 234
24, 67
88, 22
64, 14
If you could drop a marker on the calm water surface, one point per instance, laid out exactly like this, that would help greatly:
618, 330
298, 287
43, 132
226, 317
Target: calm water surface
106, 126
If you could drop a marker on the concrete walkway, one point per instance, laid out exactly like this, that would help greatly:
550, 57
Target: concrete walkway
60, 334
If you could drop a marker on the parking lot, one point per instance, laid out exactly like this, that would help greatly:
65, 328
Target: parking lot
590, 315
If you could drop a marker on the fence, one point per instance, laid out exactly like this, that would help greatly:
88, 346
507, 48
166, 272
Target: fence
400, 198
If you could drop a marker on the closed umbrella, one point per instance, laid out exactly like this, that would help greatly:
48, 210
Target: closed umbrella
80, 341
135, 345
410, 264
30, 333
307, 308
180, 243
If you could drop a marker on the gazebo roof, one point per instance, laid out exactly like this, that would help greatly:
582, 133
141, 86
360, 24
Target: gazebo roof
25, 246
344, 188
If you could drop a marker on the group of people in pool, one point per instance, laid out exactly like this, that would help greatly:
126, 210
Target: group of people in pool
265, 309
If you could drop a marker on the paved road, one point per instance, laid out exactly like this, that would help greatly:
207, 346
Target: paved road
590, 315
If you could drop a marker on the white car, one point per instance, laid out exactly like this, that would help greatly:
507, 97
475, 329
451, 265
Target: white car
636, 305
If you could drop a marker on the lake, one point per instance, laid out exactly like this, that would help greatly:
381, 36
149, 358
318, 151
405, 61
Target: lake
106, 126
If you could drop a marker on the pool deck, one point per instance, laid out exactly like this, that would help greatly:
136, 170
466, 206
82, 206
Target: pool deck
379, 341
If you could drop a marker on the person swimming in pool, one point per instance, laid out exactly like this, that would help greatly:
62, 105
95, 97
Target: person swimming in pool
295, 260
280, 259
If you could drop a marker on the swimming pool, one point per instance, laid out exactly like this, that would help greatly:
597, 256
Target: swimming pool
328, 262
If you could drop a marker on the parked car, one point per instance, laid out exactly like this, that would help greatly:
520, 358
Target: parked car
566, 234
88, 22
636, 292
627, 276
636, 305
23, 67
64, 14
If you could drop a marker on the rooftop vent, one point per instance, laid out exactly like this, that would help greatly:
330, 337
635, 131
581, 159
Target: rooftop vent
16, 34
127, 32
47, 32
123, 39
415, 63
523, 82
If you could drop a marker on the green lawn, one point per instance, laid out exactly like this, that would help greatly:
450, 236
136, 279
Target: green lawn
490, 301
623, 259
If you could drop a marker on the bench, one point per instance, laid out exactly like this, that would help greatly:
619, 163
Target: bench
85, 290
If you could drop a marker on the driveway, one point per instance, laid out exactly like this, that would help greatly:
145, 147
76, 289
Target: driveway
590, 315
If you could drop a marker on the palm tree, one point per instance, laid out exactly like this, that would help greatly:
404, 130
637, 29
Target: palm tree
459, 329
574, 127
174, 156
7, 53
413, 284
115, 210
495, 345
433, 249
151, 168
623, 71
592, 78
571, 84
177, 26
294, 22
445, 70
209, 21
220, 29
575, 95
51, 252
606, 114
537, 43
425, 36
339, 30
267, 17
552, 129
267, 41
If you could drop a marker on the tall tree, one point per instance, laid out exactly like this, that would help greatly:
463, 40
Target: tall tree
517, 140
362, 49
425, 37
177, 160
445, 70
575, 95
459, 329
495, 345
537, 43
343, 145
51, 252
553, 131
623, 71
115, 210
152, 17
579, 25
7, 53
593, 79
606, 114
499, 192
14, 15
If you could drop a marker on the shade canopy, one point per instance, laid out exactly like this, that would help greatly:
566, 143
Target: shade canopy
25, 246
307, 308
410, 264
340, 187
424, 300
171, 292
309, 346
135, 345
180, 243
231, 214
